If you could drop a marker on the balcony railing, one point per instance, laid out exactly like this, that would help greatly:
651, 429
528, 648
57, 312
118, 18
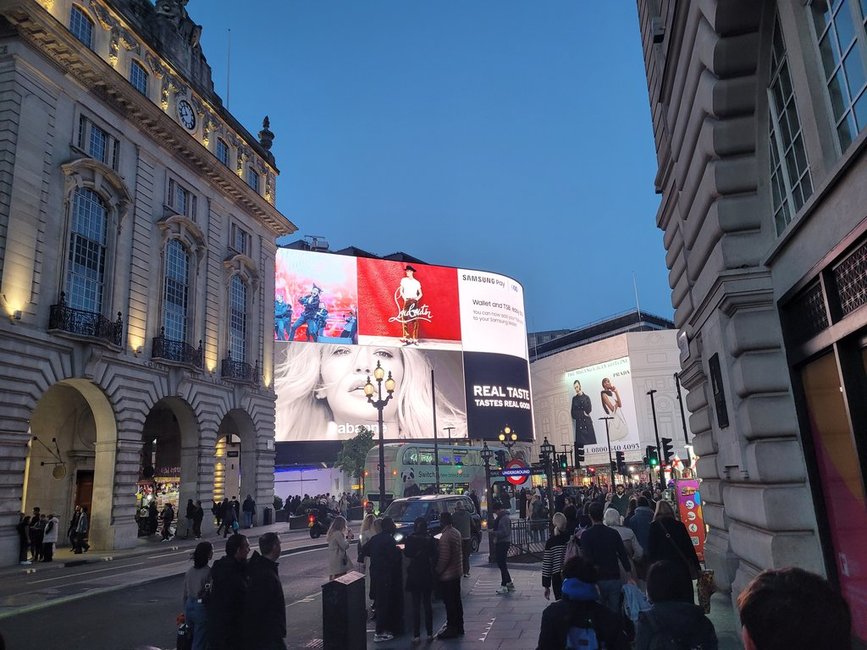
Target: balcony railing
240, 371
85, 323
177, 351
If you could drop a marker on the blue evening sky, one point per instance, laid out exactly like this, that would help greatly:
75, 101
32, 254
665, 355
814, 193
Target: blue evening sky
507, 135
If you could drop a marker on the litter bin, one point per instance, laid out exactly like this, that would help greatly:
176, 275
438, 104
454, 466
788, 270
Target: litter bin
266, 516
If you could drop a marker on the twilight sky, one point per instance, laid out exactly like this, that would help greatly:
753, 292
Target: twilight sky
507, 135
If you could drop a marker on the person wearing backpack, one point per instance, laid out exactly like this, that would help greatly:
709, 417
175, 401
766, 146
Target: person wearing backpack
579, 620
674, 622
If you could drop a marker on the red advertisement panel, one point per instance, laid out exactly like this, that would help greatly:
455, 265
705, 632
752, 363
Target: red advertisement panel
387, 308
689, 508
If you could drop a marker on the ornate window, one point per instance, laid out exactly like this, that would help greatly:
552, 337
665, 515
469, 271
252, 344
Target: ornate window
238, 319
176, 289
240, 240
98, 143
791, 183
86, 261
138, 77
223, 151
841, 31
253, 179
181, 200
81, 26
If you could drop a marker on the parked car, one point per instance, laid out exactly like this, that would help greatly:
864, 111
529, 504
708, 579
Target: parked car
405, 511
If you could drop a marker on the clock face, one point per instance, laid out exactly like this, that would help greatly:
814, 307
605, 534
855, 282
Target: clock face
186, 114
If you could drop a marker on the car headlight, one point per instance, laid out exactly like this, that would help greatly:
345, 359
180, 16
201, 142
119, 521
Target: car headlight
398, 537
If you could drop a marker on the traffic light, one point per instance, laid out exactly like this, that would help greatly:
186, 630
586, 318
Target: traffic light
562, 460
621, 463
613, 466
667, 450
501, 457
579, 457
652, 455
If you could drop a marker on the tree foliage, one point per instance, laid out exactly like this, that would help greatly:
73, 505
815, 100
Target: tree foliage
354, 452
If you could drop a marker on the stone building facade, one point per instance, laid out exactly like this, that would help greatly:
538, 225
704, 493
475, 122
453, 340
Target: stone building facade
759, 111
137, 229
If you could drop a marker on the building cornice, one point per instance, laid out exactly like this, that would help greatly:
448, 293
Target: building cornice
53, 40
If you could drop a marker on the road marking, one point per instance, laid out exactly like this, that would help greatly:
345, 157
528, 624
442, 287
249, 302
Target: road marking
66, 577
487, 630
306, 599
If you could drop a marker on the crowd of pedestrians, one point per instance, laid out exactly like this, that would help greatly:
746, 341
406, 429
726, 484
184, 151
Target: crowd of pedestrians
38, 534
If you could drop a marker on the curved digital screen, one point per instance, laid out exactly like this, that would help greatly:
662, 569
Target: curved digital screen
449, 337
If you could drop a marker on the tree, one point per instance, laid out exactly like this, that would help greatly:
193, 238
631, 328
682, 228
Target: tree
354, 453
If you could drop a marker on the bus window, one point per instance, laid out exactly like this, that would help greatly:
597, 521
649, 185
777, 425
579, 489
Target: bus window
445, 459
425, 457
410, 456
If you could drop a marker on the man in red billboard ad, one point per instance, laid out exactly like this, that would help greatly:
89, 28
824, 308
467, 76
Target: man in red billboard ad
407, 304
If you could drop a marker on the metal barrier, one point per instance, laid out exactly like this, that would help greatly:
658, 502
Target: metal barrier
528, 538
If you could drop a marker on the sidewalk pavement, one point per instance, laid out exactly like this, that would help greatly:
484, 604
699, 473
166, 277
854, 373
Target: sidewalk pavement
512, 621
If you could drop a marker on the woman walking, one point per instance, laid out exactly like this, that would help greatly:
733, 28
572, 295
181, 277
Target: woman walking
552, 560
668, 540
195, 580
421, 551
339, 536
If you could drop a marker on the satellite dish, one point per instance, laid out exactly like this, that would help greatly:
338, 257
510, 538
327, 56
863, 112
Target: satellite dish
59, 472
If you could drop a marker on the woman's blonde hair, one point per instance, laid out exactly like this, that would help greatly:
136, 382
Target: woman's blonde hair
559, 520
367, 522
302, 415
377, 526
611, 517
663, 509
337, 526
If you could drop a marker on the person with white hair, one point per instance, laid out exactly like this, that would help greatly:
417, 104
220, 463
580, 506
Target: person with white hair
552, 560
611, 518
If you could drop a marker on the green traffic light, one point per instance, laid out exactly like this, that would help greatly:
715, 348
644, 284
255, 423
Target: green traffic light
654, 462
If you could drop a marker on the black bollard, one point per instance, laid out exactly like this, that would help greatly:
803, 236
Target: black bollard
344, 613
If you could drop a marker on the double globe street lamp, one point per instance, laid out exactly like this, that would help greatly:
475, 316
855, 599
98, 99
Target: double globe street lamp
379, 404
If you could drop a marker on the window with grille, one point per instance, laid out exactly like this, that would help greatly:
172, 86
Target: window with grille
98, 143
240, 240
85, 271
181, 200
238, 319
81, 26
138, 77
223, 151
253, 179
841, 31
176, 291
791, 183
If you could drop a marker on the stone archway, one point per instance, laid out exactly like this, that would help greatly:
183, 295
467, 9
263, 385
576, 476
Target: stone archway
235, 457
168, 466
71, 457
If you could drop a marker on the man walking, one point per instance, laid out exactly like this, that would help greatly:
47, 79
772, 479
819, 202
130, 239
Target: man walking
265, 607
463, 523
502, 542
228, 596
620, 500
448, 569
81, 531
603, 547
249, 509
198, 516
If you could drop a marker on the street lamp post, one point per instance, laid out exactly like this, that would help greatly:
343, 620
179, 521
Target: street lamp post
449, 431
680, 401
548, 450
608, 438
379, 404
487, 454
656, 432
508, 438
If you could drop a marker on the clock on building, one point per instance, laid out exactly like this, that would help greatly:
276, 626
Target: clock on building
186, 114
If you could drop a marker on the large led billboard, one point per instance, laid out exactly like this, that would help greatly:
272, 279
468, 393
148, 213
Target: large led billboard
450, 337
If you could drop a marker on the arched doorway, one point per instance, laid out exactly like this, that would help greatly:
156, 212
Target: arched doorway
71, 458
235, 457
167, 471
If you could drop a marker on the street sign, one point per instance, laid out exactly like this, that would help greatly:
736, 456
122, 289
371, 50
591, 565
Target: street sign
516, 472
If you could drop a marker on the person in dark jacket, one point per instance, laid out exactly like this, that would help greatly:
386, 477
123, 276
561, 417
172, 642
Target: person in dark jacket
188, 515
673, 619
420, 550
249, 509
228, 595
579, 608
640, 521
167, 516
198, 515
265, 606
668, 540
604, 548
153, 516
386, 578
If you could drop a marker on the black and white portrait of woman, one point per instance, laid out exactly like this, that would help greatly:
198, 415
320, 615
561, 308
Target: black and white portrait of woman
320, 391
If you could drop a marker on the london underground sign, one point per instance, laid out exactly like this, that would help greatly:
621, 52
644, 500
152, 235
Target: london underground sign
516, 472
